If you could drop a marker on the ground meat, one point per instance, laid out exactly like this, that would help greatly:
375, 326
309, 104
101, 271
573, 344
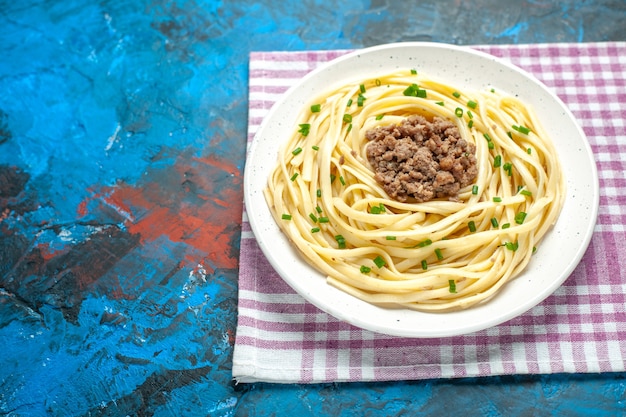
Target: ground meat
419, 160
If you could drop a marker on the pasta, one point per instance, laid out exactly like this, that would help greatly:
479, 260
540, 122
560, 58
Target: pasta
436, 255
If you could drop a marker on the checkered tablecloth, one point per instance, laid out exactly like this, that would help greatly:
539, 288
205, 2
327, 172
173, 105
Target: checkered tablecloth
580, 328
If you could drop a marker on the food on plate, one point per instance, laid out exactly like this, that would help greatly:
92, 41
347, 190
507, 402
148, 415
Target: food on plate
406, 191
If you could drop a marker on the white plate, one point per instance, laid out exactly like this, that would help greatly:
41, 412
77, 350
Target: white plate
561, 250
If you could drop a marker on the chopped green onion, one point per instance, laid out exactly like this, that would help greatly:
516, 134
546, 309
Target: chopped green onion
497, 161
452, 286
490, 145
512, 246
318, 209
341, 180
377, 82
360, 100
341, 241
304, 129
508, 167
349, 127
472, 104
294, 176
347, 118
312, 216
316, 108
486, 136
470, 114
475, 189
315, 230
413, 71
494, 222
425, 243
296, 151
332, 178
379, 261
527, 193
509, 135
493, 90
424, 264
439, 254
472, 226
506, 225
324, 220
286, 217
497, 200
365, 269
315, 148
390, 237
470, 124
380, 116
349, 103
440, 103
534, 249
521, 129
459, 112
362, 88
520, 217
456, 94
319, 192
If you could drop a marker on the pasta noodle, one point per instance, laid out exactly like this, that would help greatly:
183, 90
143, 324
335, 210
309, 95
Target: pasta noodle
436, 255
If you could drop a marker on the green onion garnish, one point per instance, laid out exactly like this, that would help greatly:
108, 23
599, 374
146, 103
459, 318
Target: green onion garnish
470, 114
512, 246
413, 71
360, 100
390, 237
316, 108
315, 230
506, 225
439, 254
470, 124
377, 82
497, 200
347, 118
527, 193
508, 167
315, 148
490, 145
521, 129
472, 226
318, 192
349, 103
497, 161
520, 217
452, 286
459, 112
440, 103
472, 104
318, 209
475, 189
362, 88
494, 222
365, 269
294, 176
341, 180
304, 129
349, 127
341, 241
286, 217
528, 151
425, 243
296, 151
380, 116
424, 264
312, 216
332, 178
324, 220
379, 261
456, 94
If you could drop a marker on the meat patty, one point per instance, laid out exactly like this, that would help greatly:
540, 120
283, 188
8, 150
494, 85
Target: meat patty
419, 160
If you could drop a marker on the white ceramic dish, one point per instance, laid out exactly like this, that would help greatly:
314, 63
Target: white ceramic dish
560, 252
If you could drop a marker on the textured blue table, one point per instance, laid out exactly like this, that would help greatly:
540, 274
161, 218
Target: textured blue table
122, 147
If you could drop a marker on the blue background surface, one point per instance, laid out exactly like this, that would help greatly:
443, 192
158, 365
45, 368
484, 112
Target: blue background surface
122, 147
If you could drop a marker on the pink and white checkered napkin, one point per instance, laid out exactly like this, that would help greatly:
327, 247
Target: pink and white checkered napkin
580, 328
